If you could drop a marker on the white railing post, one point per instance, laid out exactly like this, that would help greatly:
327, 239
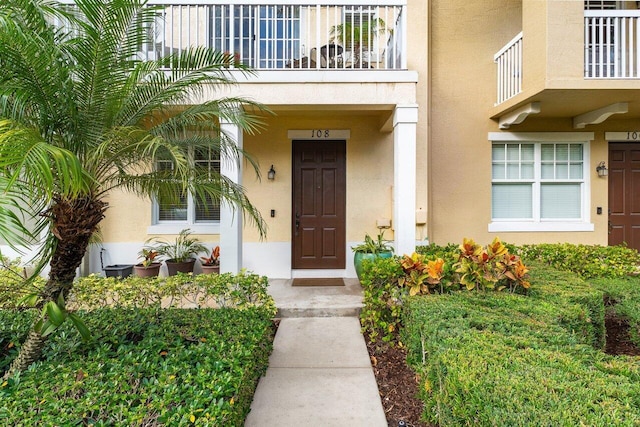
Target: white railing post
509, 69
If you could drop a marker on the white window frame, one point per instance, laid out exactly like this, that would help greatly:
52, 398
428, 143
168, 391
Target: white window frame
174, 227
537, 224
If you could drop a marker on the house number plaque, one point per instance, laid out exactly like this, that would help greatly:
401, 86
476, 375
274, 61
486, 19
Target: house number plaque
319, 134
623, 136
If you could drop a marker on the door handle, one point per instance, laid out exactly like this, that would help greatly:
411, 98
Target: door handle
297, 222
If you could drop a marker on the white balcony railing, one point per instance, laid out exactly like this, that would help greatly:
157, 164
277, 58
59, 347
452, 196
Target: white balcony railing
509, 62
289, 35
612, 44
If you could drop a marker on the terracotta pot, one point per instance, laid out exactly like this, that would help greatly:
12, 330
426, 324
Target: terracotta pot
174, 268
358, 257
210, 269
149, 271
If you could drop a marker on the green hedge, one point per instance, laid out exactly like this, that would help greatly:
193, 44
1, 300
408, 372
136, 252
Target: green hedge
144, 367
585, 260
503, 359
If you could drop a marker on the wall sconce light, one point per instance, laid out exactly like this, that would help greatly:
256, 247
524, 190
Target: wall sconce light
602, 169
271, 174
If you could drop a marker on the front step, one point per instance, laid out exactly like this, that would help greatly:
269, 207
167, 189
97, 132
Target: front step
316, 301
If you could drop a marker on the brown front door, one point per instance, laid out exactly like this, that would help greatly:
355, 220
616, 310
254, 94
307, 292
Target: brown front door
624, 194
319, 186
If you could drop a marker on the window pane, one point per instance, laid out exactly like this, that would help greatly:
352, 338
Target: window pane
498, 152
562, 171
527, 152
511, 201
575, 171
575, 152
513, 171
172, 211
513, 152
497, 171
547, 171
562, 152
207, 210
527, 171
547, 152
560, 201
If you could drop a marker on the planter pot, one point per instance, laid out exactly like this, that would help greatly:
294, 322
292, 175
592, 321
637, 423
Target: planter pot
150, 271
358, 257
174, 267
210, 269
118, 270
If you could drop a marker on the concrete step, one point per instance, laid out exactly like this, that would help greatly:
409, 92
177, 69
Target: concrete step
316, 301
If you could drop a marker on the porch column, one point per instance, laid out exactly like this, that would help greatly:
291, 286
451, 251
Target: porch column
405, 119
230, 220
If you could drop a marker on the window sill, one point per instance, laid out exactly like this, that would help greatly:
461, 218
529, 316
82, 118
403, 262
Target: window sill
176, 228
539, 226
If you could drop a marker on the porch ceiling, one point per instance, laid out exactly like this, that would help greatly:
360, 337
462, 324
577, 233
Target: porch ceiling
568, 103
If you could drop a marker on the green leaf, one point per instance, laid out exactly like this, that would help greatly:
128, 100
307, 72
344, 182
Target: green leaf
56, 315
80, 326
48, 328
29, 300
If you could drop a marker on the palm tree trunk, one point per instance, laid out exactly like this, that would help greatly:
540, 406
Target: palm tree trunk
73, 223
30, 352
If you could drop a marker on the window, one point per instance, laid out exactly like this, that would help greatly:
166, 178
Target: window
539, 186
189, 210
600, 4
265, 36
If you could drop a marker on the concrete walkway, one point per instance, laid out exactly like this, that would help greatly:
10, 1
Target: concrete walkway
319, 372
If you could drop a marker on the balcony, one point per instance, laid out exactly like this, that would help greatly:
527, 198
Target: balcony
563, 57
292, 35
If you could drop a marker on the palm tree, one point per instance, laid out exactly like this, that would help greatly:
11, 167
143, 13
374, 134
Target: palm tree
81, 115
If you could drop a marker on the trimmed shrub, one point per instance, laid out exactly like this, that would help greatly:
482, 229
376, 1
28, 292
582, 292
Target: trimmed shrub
381, 314
144, 367
585, 260
504, 359
242, 290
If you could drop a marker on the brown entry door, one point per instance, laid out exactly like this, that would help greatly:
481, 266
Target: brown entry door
318, 222
624, 194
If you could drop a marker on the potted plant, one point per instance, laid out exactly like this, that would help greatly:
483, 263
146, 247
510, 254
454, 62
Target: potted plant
179, 254
358, 38
371, 249
147, 268
211, 264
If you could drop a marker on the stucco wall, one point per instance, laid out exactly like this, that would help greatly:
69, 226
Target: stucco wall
465, 35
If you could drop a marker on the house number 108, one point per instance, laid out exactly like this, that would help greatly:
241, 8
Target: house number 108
320, 133
633, 136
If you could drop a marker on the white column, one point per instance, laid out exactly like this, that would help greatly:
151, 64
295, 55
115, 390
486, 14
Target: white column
230, 219
405, 120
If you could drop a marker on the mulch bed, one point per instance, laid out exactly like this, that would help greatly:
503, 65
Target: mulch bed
618, 342
397, 384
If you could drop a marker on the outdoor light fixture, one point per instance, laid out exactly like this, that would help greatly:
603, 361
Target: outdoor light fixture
271, 174
602, 169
